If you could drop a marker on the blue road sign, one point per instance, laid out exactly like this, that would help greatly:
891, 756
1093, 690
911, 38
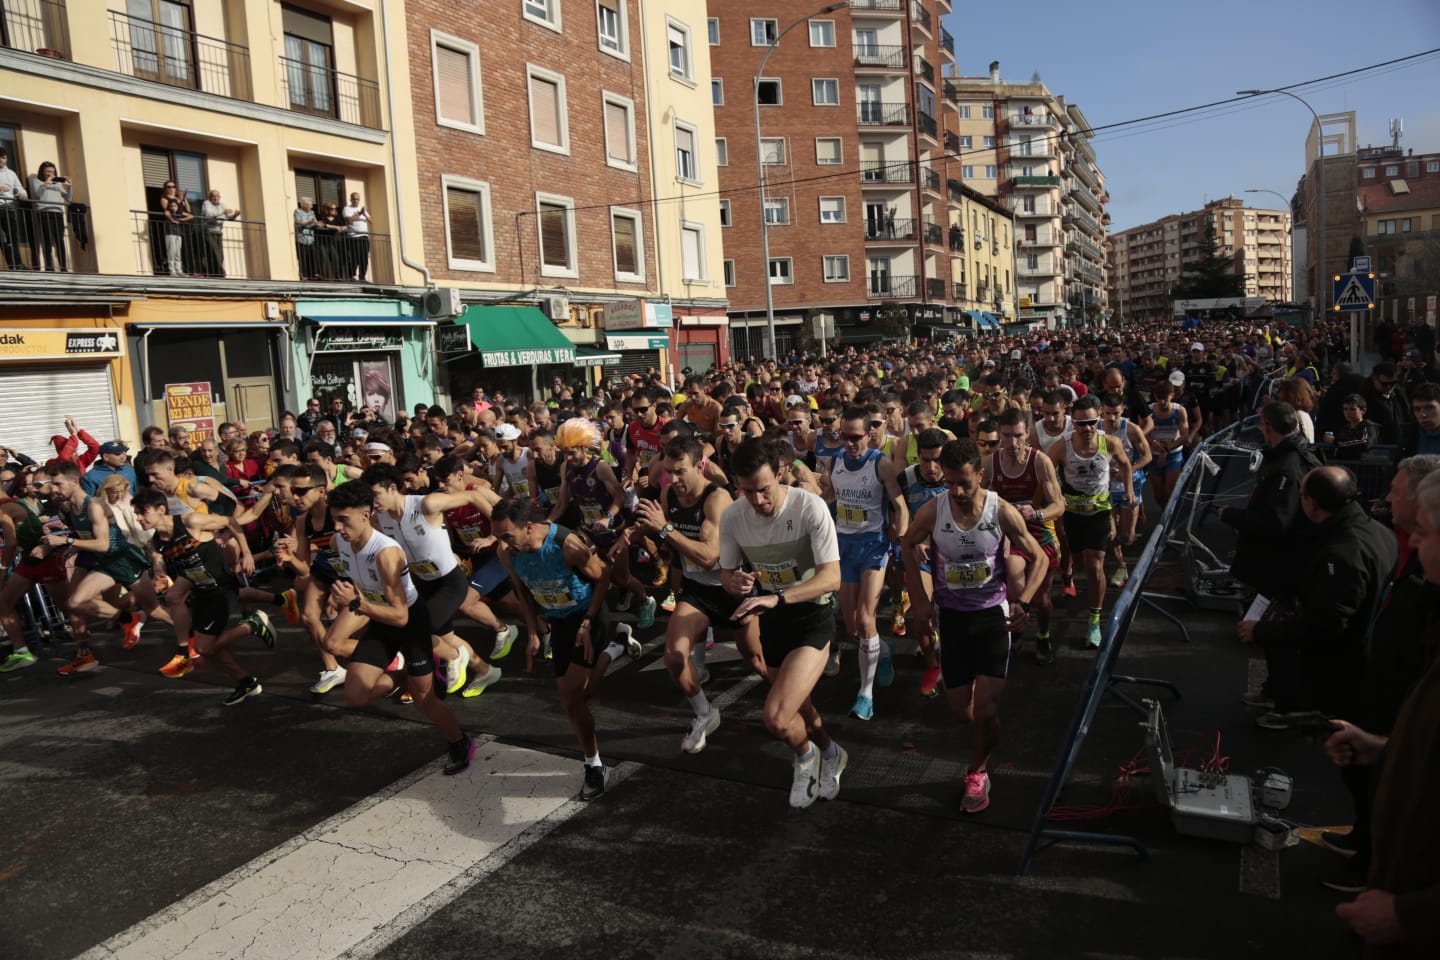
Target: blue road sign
1354, 291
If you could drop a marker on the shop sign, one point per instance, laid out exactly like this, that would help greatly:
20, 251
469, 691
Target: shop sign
32, 344
637, 343
348, 339
526, 358
455, 338
638, 315
189, 405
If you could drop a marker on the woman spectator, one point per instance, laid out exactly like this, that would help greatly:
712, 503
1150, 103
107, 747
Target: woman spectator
174, 215
305, 240
51, 193
240, 468
258, 449
1297, 392
330, 230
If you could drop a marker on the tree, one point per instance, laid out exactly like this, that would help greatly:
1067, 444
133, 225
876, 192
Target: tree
1210, 277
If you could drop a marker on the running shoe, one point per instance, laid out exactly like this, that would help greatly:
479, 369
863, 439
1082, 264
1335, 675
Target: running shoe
179, 665
397, 664
1349, 879
832, 666
668, 604
504, 640
259, 622
646, 617
459, 756
977, 792
622, 602
930, 682
406, 697
131, 630
17, 660
1119, 577
546, 650
1092, 636
885, 670
806, 785
627, 639
1044, 651
1258, 699
84, 661
190, 650
1277, 719
709, 638
290, 607
1068, 586
700, 729
245, 689
830, 771
594, 783
864, 708
329, 680
455, 670
479, 684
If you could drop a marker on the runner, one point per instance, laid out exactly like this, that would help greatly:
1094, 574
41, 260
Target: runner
37, 563
783, 539
642, 437
1054, 423
966, 532
308, 551
1168, 429
1132, 440
920, 484
511, 476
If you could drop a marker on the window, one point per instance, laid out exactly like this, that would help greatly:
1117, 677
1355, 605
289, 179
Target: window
1385, 227
967, 142
964, 111
722, 152
767, 93
781, 270
837, 269
990, 171
725, 213
1027, 170
772, 150
1027, 205
712, 27
544, 12
1432, 166
777, 210
626, 240
549, 127
610, 23
456, 65
832, 209
679, 40
827, 150
692, 252
764, 31
1393, 170
729, 269
988, 143
1405, 224
619, 131
1368, 173
987, 113
309, 59
967, 172
469, 240
687, 161
826, 92
717, 92
822, 33
557, 235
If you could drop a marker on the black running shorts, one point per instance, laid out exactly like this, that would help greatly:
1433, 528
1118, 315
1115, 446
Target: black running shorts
567, 649
714, 602
379, 643
1088, 531
211, 610
973, 643
792, 626
442, 598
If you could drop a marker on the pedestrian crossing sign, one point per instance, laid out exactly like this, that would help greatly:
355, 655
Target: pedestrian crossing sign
1354, 291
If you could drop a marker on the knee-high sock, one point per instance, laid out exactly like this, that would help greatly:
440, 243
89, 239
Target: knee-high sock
869, 659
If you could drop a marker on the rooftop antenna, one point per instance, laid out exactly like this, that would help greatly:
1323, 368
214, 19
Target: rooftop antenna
1397, 130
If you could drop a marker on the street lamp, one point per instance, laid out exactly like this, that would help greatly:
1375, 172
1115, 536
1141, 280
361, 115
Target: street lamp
1275, 193
770, 351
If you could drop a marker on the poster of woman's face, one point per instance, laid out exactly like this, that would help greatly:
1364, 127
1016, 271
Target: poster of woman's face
377, 392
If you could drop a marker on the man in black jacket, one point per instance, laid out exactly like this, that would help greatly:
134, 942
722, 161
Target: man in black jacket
1315, 649
1389, 406
1271, 524
1345, 382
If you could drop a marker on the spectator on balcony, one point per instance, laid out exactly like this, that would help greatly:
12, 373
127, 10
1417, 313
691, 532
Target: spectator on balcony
11, 192
330, 229
890, 222
357, 239
51, 193
305, 240
214, 214
176, 213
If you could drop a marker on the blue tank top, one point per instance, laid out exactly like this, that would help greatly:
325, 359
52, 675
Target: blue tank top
559, 590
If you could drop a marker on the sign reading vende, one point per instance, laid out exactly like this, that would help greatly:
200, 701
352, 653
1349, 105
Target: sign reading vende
526, 358
34, 344
189, 405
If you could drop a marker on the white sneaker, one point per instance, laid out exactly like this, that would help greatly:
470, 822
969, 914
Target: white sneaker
805, 787
504, 640
700, 729
455, 671
329, 680
480, 684
627, 639
830, 771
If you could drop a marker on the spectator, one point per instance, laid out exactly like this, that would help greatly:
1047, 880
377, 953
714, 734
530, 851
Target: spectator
114, 461
1388, 405
1422, 435
1356, 434
310, 417
240, 468
1297, 392
180, 438
11, 224
66, 447
214, 214
208, 461
51, 194
305, 252
357, 239
153, 438
330, 230
175, 214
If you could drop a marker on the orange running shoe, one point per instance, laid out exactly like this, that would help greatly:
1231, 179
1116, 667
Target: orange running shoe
190, 649
930, 682
84, 660
291, 607
178, 666
131, 630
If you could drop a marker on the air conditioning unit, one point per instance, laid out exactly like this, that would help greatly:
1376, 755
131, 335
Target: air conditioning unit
557, 308
443, 302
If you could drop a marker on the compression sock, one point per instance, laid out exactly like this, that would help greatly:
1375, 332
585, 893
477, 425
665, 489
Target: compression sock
1094, 614
869, 660
700, 704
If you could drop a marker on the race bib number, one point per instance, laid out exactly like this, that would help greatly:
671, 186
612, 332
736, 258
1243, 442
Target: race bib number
967, 574
552, 494
777, 576
521, 488
552, 595
200, 577
647, 457
851, 516
592, 513
374, 596
424, 568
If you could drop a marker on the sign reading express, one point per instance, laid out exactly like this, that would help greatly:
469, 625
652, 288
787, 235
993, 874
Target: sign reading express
526, 358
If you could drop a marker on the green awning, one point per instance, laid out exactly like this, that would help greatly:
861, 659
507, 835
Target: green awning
591, 357
516, 337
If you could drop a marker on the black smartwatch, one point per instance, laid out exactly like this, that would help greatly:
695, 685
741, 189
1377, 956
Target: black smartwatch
1024, 607
354, 605
780, 600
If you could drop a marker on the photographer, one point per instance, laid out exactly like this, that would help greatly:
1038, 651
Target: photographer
51, 193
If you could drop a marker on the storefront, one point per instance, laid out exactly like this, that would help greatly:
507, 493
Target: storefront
373, 353
50, 372
639, 330
513, 349
747, 335
701, 339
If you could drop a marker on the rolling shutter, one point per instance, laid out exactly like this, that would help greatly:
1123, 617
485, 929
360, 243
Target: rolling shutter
625, 258
467, 238
545, 110
633, 361
554, 237
453, 70
36, 401
617, 132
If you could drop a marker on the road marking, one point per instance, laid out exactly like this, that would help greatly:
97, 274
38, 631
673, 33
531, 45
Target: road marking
365, 876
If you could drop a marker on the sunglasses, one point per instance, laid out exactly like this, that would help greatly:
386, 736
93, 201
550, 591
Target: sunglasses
995, 396
1086, 423
986, 443
729, 426
301, 491
828, 419
853, 437
638, 409
798, 423
876, 424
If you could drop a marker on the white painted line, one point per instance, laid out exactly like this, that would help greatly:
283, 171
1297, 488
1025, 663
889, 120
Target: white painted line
340, 885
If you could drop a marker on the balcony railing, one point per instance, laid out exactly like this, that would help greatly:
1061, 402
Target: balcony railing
883, 171
947, 42
920, 16
312, 88
956, 233
886, 231
1076, 215
930, 179
924, 69
952, 142
954, 188
958, 291
198, 247
1021, 182
36, 26
37, 236
934, 235
934, 288
180, 58
890, 57
876, 5
883, 286
344, 258
927, 123
873, 114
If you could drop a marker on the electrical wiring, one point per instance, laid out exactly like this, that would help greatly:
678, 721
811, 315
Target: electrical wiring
1122, 789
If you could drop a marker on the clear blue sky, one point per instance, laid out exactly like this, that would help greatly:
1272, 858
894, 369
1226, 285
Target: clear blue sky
1123, 59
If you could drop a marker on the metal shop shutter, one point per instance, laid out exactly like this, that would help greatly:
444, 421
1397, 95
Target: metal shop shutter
633, 361
36, 401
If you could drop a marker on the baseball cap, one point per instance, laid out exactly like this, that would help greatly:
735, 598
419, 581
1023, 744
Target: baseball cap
507, 431
114, 446
794, 399
1197, 345
1015, 354
1177, 378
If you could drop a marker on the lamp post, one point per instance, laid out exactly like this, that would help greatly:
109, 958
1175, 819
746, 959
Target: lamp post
770, 351
1275, 193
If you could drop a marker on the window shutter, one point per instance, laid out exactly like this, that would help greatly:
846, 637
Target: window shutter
625, 254
452, 68
617, 132
545, 104
155, 167
467, 238
553, 238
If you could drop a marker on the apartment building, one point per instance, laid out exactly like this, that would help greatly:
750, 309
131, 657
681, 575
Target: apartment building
1030, 149
257, 102
1148, 262
1398, 196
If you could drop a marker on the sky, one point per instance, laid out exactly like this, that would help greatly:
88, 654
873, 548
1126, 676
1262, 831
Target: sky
1124, 59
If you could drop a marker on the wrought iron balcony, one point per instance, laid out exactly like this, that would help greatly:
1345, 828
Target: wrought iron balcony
925, 70
883, 171
919, 16
947, 42
934, 288
885, 56
179, 58
884, 286
872, 114
930, 179
887, 5
890, 231
312, 88
198, 247
928, 125
934, 235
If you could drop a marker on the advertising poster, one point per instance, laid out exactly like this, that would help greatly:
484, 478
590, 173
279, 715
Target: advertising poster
190, 405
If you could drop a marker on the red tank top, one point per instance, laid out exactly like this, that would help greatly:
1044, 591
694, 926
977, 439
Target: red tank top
468, 524
1024, 488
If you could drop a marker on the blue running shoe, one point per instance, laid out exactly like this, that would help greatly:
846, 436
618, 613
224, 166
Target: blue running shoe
645, 619
885, 670
864, 708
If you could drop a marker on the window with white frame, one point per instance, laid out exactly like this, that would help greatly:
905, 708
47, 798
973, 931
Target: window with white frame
1367, 173
987, 112
1028, 205
822, 33
619, 114
1432, 166
678, 38
832, 209
556, 216
825, 91
777, 210
836, 268
729, 268
988, 143
549, 124
458, 102
469, 231
722, 152
782, 270
626, 237
544, 12
692, 251
772, 150
990, 171
967, 172
768, 92
712, 27
764, 31
717, 91
967, 142
1393, 170
687, 158
828, 151
964, 111
610, 23
725, 213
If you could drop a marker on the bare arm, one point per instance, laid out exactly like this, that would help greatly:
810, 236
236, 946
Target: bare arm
899, 512
1036, 566
1141, 443
1054, 505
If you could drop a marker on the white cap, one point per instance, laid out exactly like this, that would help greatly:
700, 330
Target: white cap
795, 399
1015, 354
1197, 345
1177, 378
507, 431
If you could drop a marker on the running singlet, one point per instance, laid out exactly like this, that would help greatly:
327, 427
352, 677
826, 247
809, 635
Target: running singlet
180, 502
784, 549
589, 493
968, 565
823, 453
917, 491
512, 475
645, 441
363, 568
1167, 428
1117, 486
687, 521
1086, 480
82, 529
1020, 489
558, 589
426, 547
321, 540
202, 562
547, 477
468, 524
860, 500
1048, 439
28, 531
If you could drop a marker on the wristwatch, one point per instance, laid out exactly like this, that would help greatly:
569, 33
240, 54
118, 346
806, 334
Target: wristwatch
665, 531
69, 541
1024, 607
354, 605
1040, 515
780, 600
